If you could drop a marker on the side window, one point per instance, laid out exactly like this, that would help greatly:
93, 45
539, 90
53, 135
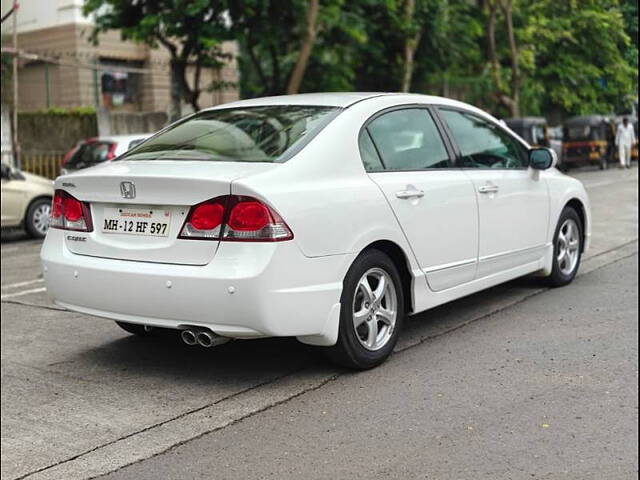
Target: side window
409, 140
483, 144
370, 157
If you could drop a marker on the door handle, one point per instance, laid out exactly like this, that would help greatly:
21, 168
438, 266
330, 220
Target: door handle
410, 194
489, 189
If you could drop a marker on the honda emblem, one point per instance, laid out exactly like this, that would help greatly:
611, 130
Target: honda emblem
128, 190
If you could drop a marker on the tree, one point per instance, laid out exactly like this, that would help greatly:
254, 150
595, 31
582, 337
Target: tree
576, 61
282, 40
507, 96
305, 49
190, 30
413, 18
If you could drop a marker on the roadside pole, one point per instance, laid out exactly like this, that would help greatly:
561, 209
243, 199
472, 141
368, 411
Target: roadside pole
16, 144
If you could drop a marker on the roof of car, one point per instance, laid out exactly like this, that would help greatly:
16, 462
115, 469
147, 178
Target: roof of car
329, 99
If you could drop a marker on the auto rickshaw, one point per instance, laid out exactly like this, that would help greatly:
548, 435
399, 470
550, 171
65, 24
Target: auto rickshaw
532, 129
588, 140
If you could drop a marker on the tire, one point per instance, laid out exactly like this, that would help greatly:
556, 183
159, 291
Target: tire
36, 221
136, 329
566, 267
357, 347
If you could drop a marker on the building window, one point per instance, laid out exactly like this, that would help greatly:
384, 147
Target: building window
120, 88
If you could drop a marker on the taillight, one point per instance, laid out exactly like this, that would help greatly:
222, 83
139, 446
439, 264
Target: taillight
69, 213
250, 220
235, 218
204, 220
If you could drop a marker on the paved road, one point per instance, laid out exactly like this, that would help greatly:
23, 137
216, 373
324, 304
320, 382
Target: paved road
81, 399
550, 393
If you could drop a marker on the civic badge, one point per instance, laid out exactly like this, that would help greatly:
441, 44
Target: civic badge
128, 190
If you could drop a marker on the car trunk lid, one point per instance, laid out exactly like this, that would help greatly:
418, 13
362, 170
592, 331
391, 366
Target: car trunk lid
151, 200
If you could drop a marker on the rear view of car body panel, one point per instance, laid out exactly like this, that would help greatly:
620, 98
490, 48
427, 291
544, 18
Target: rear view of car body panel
247, 290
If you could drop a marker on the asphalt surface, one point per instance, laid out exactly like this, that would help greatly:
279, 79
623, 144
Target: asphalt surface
514, 382
550, 393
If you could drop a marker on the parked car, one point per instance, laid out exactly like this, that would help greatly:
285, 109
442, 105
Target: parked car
588, 139
93, 151
326, 217
26, 201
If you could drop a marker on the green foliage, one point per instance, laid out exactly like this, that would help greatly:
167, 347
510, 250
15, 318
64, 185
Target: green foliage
269, 33
190, 25
575, 56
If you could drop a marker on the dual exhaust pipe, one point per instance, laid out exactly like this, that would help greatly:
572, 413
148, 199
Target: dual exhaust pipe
202, 336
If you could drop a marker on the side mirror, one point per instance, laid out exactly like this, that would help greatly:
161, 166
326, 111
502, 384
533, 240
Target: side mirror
542, 158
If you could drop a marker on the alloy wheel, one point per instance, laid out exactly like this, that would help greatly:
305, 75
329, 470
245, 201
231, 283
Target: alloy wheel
568, 246
375, 309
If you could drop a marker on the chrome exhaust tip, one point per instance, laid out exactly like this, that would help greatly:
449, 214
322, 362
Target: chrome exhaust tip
189, 337
208, 339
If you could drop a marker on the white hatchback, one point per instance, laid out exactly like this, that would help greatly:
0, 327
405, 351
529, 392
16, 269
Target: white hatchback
326, 217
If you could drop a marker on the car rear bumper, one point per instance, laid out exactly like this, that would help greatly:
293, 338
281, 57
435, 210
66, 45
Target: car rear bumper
247, 290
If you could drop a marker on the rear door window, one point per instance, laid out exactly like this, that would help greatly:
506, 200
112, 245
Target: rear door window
408, 139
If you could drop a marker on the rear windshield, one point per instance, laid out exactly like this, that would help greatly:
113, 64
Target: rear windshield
252, 134
90, 153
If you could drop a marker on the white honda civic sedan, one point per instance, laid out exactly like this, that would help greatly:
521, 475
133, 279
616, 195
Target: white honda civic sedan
326, 217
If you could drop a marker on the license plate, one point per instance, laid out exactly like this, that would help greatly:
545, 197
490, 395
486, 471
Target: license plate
154, 222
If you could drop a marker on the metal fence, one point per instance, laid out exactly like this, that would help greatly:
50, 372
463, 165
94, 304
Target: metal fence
45, 164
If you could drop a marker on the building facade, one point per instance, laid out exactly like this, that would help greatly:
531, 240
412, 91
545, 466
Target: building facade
130, 76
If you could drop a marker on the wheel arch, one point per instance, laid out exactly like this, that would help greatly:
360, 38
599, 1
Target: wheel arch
580, 209
401, 261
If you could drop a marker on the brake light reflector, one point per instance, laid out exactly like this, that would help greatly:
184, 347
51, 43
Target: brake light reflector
235, 218
249, 216
207, 216
72, 209
69, 213
204, 220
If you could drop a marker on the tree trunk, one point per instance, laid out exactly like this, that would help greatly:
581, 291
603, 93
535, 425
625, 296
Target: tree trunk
175, 107
295, 80
493, 54
510, 100
514, 100
195, 91
410, 45
181, 92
